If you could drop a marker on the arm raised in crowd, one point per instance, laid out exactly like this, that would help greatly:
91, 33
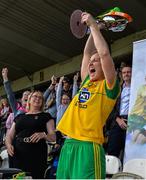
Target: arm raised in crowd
9, 92
50, 88
75, 85
58, 92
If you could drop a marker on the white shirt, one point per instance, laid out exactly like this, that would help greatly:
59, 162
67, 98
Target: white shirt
125, 98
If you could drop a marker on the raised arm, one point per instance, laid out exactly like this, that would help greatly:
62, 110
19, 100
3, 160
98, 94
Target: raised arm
8, 89
101, 48
88, 51
50, 88
75, 85
58, 92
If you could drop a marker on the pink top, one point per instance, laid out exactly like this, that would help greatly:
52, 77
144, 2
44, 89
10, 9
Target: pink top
9, 120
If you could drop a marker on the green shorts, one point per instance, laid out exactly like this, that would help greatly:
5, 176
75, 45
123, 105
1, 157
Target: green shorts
81, 160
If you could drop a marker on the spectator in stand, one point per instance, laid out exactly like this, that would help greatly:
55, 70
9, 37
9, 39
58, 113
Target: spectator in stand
5, 109
10, 95
26, 140
117, 134
17, 107
62, 101
50, 98
66, 86
11, 117
4, 113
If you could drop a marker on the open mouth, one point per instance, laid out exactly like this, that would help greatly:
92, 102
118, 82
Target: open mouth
92, 70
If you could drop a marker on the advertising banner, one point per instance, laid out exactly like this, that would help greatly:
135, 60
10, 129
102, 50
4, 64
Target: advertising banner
136, 133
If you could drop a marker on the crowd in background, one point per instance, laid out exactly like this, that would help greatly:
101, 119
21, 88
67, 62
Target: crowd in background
49, 105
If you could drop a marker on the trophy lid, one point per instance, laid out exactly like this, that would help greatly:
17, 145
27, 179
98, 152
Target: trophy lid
78, 28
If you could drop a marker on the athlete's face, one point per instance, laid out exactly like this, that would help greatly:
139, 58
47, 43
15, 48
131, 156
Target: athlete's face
94, 67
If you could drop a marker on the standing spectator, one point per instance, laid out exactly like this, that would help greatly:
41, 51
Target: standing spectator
11, 117
66, 86
117, 135
10, 95
50, 98
26, 140
5, 109
4, 113
62, 101
82, 156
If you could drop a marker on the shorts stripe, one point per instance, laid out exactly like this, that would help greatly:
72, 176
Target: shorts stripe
99, 161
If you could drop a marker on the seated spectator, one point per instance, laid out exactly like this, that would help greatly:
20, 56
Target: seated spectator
26, 140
